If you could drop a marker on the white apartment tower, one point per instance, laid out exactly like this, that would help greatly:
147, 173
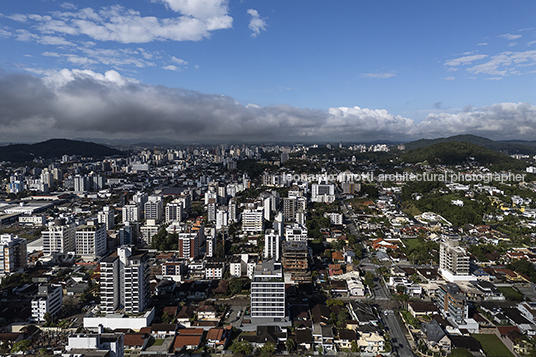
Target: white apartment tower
106, 217
268, 291
125, 281
131, 213
173, 212
253, 220
323, 192
272, 240
453, 260
154, 208
59, 238
91, 240
222, 217
49, 299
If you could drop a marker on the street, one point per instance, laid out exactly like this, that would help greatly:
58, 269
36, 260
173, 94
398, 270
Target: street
398, 339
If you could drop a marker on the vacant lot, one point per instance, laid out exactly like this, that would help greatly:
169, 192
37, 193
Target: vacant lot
493, 347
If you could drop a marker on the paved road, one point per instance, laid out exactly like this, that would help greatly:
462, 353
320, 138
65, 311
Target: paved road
398, 339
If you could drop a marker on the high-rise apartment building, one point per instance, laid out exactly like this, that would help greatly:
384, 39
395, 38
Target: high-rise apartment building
253, 220
59, 238
453, 260
106, 217
154, 208
173, 212
13, 255
268, 291
190, 243
125, 281
272, 239
91, 240
295, 259
131, 213
322, 192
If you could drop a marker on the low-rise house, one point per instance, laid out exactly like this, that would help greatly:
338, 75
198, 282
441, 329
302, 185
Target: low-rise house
185, 315
163, 330
422, 308
528, 310
136, 341
304, 338
206, 312
218, 338
188, 339
488, 290
323, 337
435, 337
264, 334
363, 313
370, 340
344, 338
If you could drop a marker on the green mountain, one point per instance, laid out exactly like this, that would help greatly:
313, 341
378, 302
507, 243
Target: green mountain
55, 148
454, 153
508, 147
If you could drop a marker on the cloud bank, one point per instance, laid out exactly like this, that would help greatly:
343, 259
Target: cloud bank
83, 103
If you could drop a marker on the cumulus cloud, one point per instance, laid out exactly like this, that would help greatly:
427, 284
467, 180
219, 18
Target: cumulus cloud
83, 103
256, 24
117, 23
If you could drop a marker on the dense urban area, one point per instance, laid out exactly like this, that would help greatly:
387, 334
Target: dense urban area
270, 249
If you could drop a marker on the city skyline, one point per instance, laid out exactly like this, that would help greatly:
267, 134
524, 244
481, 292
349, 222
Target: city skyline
268, 71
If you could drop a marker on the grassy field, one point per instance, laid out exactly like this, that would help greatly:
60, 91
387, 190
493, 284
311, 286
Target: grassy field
411, 243
510, 293
493, 347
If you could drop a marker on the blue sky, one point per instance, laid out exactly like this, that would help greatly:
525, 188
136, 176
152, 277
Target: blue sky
267, 70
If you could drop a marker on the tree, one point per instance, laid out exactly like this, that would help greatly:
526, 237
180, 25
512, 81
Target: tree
242, 347
236, 285
369, 279
268, 349
21, 346
290, 344
49, 319
354, 347
334, 302
342, 317
166, 318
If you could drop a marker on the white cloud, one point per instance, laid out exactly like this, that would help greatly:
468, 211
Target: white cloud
179, 61
450, 78
510, 36
256, 24
203, 9
505, 62
117, 23
464, 60
378, 75
172, 68
18, 17
68, 6
482, 44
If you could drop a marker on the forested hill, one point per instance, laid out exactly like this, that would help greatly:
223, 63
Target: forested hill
55, 148
510, 147
454, 153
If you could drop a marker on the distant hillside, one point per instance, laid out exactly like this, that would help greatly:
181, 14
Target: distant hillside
509, 147
454, 153
54, 148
